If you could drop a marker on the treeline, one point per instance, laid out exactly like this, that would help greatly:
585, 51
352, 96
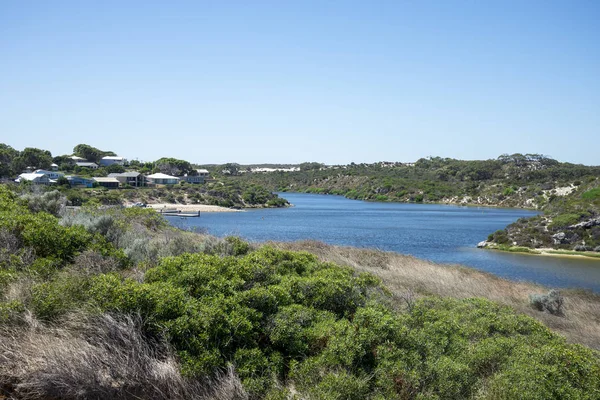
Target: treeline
94, 303
508, 180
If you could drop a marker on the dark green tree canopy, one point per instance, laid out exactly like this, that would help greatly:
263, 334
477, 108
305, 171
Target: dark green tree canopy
173, 166
90, 153
34, 158
7, 158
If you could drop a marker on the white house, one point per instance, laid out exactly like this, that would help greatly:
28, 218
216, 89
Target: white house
203, 173
162, 179
87, 165
36, 179
50, 174
110, 160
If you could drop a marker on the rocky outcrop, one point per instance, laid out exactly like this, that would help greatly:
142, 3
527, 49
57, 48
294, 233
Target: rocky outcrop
586, 224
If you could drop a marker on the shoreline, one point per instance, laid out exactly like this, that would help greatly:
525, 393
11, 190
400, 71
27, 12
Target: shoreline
546, 252
191, 207
443, 203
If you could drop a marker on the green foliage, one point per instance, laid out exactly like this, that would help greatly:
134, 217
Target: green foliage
90, 153
284, 316
31, 158
564, 220
7, 160
592, 194
174, 167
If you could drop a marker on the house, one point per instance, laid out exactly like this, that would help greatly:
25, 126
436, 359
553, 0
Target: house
85, 164
195, 179
53, 175
162, 179
78, 159
130, 178
107, 182
54, 167
36, 179
78, 181
203, 173
110, 160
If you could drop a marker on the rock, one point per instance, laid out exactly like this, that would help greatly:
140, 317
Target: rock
482, 244
581, 247
586, 224
558, 238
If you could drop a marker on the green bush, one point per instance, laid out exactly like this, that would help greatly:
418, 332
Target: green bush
564, 220
592, 194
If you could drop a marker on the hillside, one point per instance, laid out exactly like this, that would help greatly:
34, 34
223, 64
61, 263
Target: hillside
565, 193
117, 304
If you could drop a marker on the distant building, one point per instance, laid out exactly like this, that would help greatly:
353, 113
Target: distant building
110, 160
78, 181
203, 173
53, 175
36, 179
130, 178
78, 159
162, 179
107, 182
54, 167
86, 164
194, 179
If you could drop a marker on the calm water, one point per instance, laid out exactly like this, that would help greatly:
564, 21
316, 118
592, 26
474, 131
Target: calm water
440, 233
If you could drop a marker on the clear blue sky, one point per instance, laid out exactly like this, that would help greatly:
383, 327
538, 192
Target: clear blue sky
292, 81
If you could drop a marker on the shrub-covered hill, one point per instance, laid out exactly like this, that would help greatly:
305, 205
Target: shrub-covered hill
87, 307
569, 223
224, 194
509, 181
566, 193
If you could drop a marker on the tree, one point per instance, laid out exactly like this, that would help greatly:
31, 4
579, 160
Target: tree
34, 158
64, 159
231, 169
7, 158
91, 153
115, 168
175, 167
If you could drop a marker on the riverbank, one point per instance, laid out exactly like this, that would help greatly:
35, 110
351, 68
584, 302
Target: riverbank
191, 207
550, 252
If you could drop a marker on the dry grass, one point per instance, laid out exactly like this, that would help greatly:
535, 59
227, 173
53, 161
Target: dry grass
406, 276
98, 358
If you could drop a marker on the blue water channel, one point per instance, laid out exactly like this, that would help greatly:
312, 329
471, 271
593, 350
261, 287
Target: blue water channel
440, 233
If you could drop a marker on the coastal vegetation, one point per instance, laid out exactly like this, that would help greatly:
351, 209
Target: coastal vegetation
115, 303
568, 195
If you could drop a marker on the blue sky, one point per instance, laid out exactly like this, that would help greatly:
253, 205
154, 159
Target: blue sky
292, 81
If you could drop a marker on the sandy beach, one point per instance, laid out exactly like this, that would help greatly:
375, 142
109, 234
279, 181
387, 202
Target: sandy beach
191, 207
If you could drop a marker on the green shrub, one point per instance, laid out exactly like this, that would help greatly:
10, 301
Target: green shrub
564, 220
592, 194
551, 302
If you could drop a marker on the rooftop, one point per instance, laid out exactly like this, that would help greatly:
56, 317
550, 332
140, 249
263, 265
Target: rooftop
116, 158
161, 176
132, 174
106, 179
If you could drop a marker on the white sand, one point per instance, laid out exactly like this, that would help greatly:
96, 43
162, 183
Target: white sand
191, 207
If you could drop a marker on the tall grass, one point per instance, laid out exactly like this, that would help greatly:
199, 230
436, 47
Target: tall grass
102, 357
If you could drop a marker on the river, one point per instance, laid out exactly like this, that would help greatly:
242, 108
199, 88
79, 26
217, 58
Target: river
440, 233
